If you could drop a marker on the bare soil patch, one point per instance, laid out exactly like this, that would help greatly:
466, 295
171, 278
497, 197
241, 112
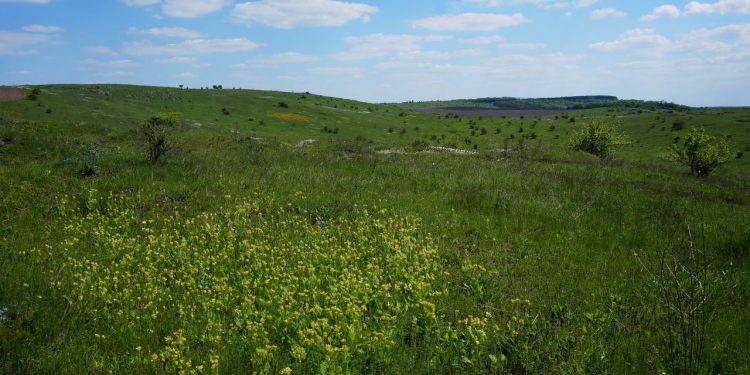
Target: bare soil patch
492, 112
8, 94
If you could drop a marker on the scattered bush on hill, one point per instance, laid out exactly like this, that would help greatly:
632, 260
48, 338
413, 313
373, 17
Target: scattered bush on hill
597, 138
701, 152
155, 131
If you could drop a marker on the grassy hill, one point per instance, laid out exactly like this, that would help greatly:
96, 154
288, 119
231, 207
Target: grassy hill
378, 248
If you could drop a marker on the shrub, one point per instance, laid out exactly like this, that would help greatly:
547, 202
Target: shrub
154, 131
34, 94
678, 125
420, 145
685, 285
701, 152
597, 138
283, 105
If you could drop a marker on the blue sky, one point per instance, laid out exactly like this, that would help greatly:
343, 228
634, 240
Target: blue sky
690, 52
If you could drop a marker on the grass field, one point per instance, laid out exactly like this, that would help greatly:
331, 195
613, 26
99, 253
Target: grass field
251, 248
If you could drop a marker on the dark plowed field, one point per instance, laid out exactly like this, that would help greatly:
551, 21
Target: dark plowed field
491, 112
11, 93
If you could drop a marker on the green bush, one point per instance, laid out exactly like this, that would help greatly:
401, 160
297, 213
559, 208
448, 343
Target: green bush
155, 131
597, 138
701, 152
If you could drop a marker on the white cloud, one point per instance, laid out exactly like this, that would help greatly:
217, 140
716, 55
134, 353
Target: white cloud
191, 47
469, 22
722, 43
16, 43
43, 29
720, 7
193, 8
539, 3
22, 72
100, 50
185, 75
585, 3
382, 45
26, 1
110, 63
141, 3
184, 8
599, 14
727, 40
287, 14
521, 45
347, 71
176, 60
662, 11
634, 40
276, 60
118, 73
483, 40
168, 32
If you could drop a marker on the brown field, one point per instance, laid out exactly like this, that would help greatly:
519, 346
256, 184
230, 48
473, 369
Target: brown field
491, 112
11, 93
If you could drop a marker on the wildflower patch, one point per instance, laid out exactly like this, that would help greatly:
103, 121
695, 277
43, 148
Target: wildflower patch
293, 117
257, 281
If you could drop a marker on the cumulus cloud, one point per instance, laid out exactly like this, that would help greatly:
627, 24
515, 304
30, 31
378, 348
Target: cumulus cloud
729, 39
43, 29
723, 43
538, 3
718, 7
633, 40
191, 47
469, 22
16, 43
183, 8
346, 71
115, 64
521, 45
176, 60
382, 45
287, 14
101, 50
599, 14
193, 8
169, 32
483, 40
276, 60
662, 11
141, 3
26, 1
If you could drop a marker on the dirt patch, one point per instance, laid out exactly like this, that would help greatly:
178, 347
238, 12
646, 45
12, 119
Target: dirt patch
492, 112
456, 151
305, 142
8, 94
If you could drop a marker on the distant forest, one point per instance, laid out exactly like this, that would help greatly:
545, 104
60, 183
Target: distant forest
577, 102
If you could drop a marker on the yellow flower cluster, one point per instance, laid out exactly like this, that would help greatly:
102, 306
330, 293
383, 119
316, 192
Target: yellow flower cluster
258, 281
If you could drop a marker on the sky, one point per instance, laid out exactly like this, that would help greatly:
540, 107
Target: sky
689, 52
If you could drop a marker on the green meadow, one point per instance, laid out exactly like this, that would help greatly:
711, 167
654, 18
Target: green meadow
296, 233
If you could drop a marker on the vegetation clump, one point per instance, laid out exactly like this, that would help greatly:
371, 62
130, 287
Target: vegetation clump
701, 152
597, 138
255, 278
155, 132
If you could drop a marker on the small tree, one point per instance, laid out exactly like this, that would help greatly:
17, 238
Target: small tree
154, 130
34, 95
701, 152
597, 138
